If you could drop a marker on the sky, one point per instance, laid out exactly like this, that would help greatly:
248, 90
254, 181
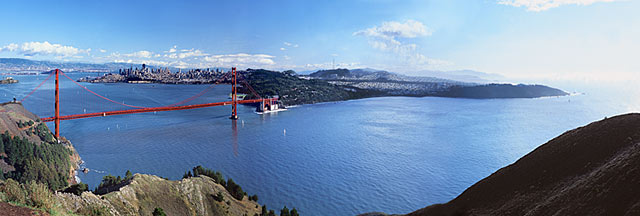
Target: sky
552, 39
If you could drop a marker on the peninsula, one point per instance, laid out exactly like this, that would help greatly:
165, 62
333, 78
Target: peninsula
329, 85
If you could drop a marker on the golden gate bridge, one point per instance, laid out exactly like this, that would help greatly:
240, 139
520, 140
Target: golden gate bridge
140, 109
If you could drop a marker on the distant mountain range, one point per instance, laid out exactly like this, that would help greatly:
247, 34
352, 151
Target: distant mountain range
467, 76
17, 64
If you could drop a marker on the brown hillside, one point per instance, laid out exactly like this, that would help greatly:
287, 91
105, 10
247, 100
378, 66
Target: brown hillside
592, 170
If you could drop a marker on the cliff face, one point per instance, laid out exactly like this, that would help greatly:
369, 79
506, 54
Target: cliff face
592, 170
191, 196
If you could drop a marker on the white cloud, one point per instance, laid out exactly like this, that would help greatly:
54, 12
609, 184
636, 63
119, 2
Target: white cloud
387, 36
283, 49
44, 48
173, 49
241, 60
191, 53
542, 5
140, 54
11, 47
391, 37
290, 45
103, 51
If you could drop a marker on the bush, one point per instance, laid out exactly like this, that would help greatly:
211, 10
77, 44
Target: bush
159, 212
254, 198
15, 192
218, 197
93, 210
77, 189
40, 195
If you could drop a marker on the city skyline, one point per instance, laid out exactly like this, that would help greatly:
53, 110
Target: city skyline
561, 39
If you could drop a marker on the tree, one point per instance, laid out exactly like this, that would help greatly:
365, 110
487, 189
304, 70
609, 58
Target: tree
294, 212
77, 189
235, 189
159, 212
128, 175
264, 210
254, 198
285, 211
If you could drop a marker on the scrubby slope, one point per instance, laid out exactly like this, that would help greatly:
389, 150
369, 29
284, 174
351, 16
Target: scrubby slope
190, 196
592, 170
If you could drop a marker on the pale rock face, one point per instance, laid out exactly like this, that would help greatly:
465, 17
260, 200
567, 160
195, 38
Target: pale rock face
192, 196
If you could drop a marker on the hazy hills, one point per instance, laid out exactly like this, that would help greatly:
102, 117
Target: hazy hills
401, 85
17, 64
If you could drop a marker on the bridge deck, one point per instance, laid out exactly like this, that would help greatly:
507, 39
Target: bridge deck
150, 109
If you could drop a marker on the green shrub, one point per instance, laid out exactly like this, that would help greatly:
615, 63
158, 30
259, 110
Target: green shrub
93, 210
77, 189
159, 212
218, 197
14, 191
40, 195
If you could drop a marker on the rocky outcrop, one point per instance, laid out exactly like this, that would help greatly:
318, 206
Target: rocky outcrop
190, 196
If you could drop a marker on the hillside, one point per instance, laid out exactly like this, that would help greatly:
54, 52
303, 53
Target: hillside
190, 196
591, 170
501, 91
29, 151
293, 90
392, 84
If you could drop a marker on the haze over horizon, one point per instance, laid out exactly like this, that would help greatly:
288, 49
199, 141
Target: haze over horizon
526, 39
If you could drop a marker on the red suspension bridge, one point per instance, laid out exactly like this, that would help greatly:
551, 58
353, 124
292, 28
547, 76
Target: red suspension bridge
140, 109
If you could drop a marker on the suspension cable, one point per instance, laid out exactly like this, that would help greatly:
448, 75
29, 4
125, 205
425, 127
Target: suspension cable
96, 94
202, 92
34, 90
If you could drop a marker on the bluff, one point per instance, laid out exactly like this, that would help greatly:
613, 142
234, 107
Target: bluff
144, 193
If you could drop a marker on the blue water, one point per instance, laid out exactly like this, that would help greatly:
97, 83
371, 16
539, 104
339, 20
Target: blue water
390, 154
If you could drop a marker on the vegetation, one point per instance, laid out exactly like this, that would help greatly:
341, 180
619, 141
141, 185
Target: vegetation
111, 183
234, 189
294, 90
159, 212
218, 197
32, 194
76, 189
47, 162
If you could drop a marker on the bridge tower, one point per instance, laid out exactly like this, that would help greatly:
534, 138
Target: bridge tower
57, 106
234, 95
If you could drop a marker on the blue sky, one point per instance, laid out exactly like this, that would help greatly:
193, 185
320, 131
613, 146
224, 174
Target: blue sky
515, 38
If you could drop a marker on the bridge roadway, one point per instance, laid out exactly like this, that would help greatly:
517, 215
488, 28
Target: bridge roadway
150, 109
